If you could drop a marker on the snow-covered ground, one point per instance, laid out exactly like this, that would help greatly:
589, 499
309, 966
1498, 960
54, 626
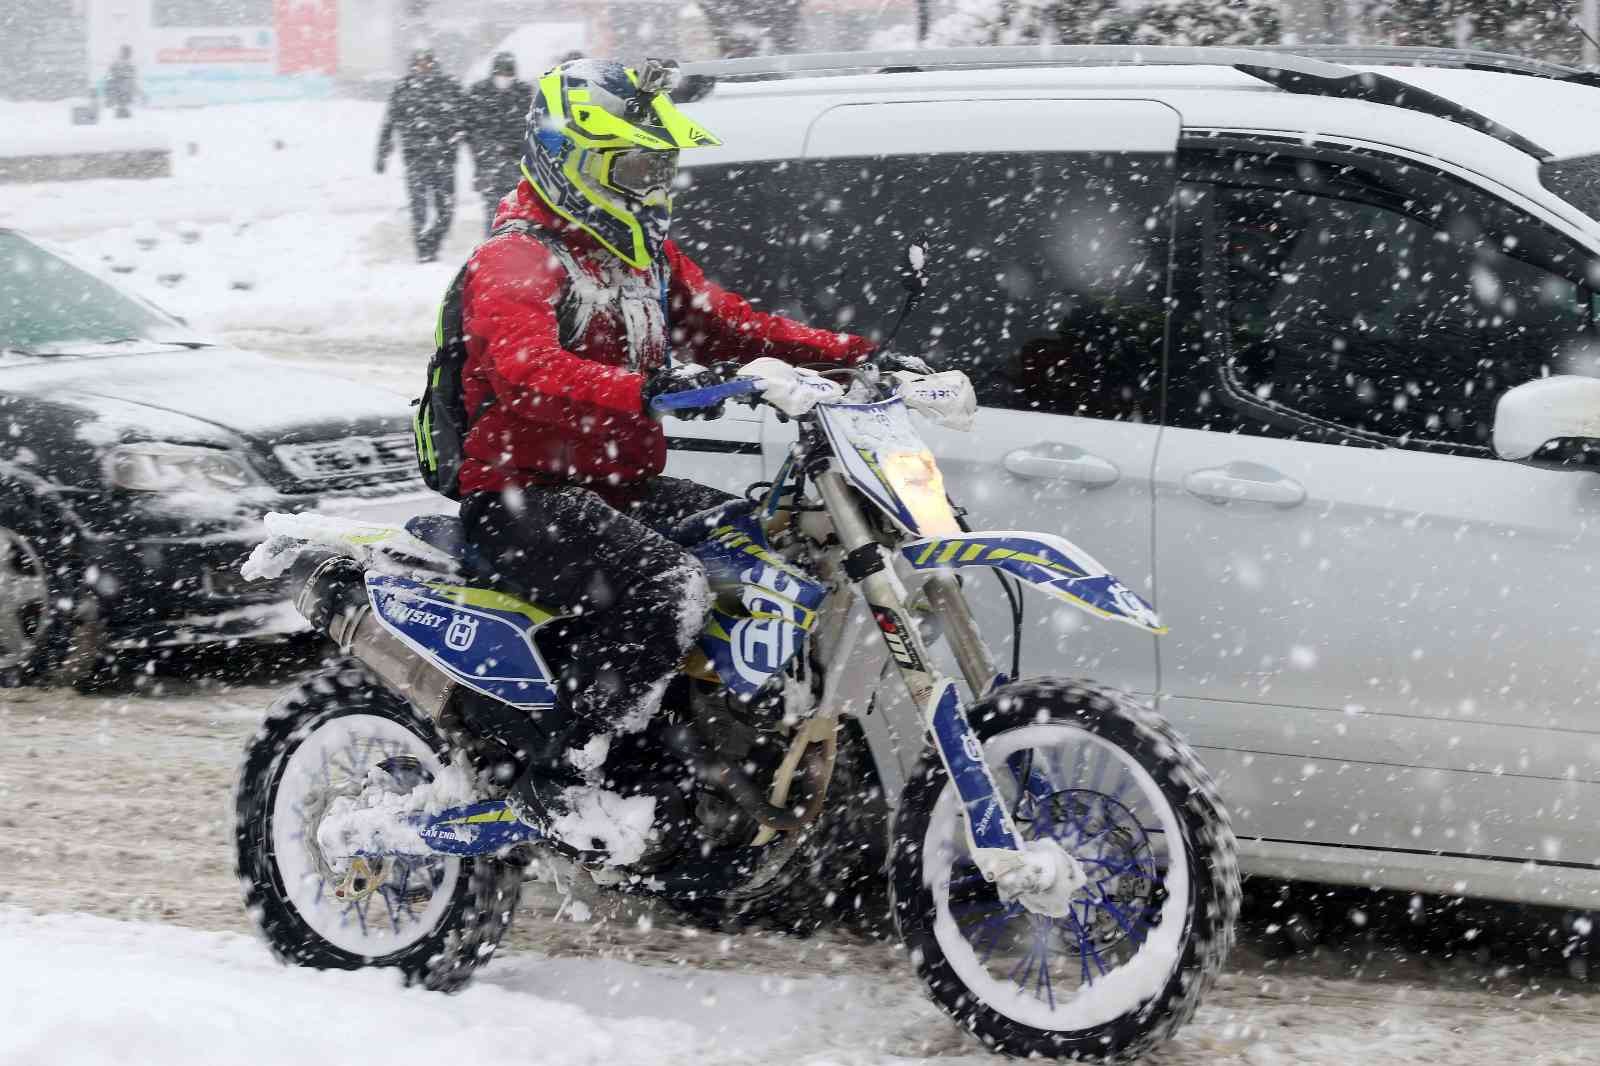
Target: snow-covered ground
122, 940
121, 931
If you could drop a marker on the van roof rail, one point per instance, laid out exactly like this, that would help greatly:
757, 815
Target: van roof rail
1288, 70
1389, 55
758, 68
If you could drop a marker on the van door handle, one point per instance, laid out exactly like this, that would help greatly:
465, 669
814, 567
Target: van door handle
1062, 462
1245, 481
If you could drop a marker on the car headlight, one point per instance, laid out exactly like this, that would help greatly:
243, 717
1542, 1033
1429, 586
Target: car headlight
158, 467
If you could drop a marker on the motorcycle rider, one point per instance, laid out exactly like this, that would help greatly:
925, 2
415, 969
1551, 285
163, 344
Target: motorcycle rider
577, 312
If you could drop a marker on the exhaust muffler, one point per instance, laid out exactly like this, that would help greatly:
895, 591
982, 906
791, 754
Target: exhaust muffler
333, 598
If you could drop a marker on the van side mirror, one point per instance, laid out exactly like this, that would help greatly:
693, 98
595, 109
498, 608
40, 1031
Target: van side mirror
914, 267
1553, 422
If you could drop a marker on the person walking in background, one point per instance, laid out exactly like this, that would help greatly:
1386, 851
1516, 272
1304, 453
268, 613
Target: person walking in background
122, 82
427, 109
497, 116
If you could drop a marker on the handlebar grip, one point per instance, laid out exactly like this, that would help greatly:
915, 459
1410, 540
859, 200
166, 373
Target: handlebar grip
709, 396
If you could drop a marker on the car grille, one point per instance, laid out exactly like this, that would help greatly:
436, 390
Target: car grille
348, 461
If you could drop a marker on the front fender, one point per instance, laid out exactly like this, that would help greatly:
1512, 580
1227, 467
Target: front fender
1052, 564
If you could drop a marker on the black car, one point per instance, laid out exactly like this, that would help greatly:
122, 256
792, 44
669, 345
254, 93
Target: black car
136, 461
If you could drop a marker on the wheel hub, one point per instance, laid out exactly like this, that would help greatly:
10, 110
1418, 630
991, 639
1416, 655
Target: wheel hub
1045, 880
24, 598
362, 879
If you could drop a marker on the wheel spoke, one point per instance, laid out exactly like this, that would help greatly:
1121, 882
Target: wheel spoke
1087, 948
24, 587
1135, 932
13, 638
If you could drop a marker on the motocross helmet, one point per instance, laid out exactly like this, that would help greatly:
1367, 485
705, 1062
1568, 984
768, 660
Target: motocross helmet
602, 149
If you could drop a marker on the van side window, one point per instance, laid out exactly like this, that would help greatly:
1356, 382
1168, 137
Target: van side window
1343, 321
735, 221
1048, 272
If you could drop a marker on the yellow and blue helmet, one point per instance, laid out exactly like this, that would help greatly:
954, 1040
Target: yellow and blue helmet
602, 149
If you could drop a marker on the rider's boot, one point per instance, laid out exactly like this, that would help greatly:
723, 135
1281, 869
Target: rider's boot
582, 815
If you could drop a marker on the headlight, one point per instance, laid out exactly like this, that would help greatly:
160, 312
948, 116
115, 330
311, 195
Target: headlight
915, 478
175, 468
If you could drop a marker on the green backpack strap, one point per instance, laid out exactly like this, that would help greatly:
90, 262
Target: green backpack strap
441, 421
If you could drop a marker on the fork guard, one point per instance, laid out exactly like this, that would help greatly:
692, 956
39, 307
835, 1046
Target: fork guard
1052, 564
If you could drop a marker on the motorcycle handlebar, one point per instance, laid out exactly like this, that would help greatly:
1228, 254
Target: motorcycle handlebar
709, 396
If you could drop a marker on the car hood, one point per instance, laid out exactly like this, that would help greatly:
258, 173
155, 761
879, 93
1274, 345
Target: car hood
244, 393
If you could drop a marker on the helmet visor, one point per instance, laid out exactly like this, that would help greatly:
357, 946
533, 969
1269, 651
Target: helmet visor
641, 171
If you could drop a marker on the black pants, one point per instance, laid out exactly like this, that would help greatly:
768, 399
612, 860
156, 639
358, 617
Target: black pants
640, 597
431, 185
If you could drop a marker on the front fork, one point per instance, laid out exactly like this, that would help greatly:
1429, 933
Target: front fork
991, 833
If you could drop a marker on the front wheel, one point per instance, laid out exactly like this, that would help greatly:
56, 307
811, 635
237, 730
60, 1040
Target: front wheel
435, 919
1126, 966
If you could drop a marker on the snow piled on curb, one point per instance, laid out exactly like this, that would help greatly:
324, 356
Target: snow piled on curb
84, 991
79, 990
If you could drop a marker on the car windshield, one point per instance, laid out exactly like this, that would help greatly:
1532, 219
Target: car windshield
1575, 180
47, 305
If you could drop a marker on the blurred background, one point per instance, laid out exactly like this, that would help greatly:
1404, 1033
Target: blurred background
192, 52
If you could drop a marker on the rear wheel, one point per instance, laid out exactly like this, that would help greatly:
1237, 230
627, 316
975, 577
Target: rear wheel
1141, 939
435, 919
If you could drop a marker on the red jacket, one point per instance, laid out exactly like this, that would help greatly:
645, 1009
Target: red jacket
555, 362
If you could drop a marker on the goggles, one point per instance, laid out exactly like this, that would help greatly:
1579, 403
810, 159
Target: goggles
641, 171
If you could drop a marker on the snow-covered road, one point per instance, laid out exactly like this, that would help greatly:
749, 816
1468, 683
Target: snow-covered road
122, 941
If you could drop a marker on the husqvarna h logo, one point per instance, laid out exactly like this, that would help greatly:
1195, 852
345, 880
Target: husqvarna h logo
461, 632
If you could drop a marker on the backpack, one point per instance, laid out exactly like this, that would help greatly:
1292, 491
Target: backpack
441, 421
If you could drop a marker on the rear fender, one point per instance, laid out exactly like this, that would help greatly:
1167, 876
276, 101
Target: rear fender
480, 638
1054, 565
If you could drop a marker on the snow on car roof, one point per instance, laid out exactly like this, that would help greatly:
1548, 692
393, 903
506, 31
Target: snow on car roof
1563, 117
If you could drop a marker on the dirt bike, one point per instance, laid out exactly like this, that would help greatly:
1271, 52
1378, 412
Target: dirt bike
1060, 866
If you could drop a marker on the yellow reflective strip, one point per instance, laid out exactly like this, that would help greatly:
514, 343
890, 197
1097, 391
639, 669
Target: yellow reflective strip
490, 599
596, 128
550, 87
502, 815
927, 552
972, 552
637, 256
1048, 564
950, 552
1001, 553
805, 621
683, 131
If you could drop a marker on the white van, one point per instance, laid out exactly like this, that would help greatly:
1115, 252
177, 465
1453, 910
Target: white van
1241, 321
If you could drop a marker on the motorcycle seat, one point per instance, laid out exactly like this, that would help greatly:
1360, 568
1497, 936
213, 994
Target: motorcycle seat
442, 531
